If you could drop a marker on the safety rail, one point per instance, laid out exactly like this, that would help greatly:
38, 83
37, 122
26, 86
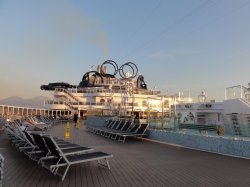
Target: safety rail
104, 90
68, 93
71, 107
198, 127
237, 92
53, 102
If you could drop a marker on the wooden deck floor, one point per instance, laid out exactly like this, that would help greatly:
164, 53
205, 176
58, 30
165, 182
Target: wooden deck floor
135, 163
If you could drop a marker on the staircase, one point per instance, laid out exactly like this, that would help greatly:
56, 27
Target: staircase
69, 94
236, 125
71, 107
109, 94
125, 97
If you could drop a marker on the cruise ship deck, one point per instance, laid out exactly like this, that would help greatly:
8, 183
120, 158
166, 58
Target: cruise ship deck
135, 163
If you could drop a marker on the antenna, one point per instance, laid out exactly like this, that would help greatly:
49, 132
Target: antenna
91, 67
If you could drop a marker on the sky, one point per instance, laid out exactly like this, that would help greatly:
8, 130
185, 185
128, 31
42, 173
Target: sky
178, 45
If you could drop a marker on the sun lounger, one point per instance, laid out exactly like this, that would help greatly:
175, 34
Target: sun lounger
120, 129
15, 137
61, 160
123, 127
133, 129
45, 152
139, 132
118, 125
109, 124
30, 143
116, 128
63, 144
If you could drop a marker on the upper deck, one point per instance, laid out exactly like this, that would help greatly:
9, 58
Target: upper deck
135, 163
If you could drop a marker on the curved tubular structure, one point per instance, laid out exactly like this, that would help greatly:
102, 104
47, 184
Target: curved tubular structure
132, 66
126, 71
113, 64
89, 79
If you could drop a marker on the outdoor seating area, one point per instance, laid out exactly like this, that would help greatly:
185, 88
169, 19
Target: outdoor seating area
120, 129
1, 169
135, 163
53, 153
34, 123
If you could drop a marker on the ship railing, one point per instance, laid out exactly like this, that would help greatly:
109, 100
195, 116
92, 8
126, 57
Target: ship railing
68, 93
232, 125
171, 123
54, 102
58, 102
102, 90
237, 92
159, 123
105, 105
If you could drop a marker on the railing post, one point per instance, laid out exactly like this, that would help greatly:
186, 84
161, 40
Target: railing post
162, 109
148, 111
225, 94
241, 92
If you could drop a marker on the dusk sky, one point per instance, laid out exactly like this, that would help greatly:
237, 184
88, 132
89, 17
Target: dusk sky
178, 45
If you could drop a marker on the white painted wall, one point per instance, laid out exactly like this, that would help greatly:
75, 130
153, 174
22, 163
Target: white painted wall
236, 106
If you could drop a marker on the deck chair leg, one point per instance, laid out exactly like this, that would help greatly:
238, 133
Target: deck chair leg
116, 138
124, 138
56, 168
65, 172
107, 163
107, 135
142, 138
104, 165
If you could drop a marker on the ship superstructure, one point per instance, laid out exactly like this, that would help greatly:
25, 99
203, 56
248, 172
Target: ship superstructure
122, 92
231, 116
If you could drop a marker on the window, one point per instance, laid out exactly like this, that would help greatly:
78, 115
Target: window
144, 103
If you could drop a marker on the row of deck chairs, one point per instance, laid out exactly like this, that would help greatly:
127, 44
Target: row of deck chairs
39, 123
31, 125
42, 122
1, 169
53, 153
120, 129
